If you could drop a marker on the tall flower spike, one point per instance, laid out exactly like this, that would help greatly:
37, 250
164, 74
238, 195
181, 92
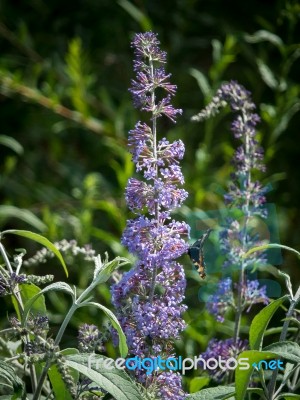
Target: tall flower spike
149, 297
246, 195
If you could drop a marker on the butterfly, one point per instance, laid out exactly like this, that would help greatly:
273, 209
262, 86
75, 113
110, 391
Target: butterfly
195, 252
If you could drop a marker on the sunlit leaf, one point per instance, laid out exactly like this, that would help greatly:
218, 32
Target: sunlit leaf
27, 216
242, 376
114, 381
56, 286
39, 239
261, 321
11, 143
264, 36
215, 393
136, 14
59, 387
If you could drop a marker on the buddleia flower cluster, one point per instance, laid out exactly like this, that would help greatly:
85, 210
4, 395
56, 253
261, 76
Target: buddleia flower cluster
90, 339
226, 350
149, 297
247, 196
69, 247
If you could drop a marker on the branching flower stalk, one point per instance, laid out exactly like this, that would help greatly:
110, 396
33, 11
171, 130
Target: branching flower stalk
12, 281
148, 298
82, 300
248, 197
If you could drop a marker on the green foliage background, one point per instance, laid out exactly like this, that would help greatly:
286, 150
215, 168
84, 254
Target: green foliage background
65, 69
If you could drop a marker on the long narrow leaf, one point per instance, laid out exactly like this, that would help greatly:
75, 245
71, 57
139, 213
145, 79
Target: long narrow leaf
58, 286
261, 321
242, 376
113, 380
215, 393
59, 386
9, 374
271, 246
27, 216
39, 239
287, 350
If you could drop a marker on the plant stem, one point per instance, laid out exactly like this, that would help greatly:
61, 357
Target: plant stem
34, 95
295, 378
272, 383
60, 333
16, 294
5, 258
154, 132
238, 315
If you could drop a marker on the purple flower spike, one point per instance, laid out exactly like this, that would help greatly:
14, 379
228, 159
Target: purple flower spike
238, 236
248, 157
253, 294
244, 193
225, 349
219, 302
149, 297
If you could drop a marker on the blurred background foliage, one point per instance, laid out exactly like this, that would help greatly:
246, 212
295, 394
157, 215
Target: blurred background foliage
65, 69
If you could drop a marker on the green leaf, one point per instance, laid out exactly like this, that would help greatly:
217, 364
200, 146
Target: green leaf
274, 331
289, 369
216, 393
39, 239
288, 350
115, 323
256, 391
114, 381
58, 286
261, 321
263, 36
217, 50
267, 74
24, 215
11, 143
198, 383
270, 246
136, 14
8, 373
27, 292
103, 271
58, 385
288, 283
242, 376
285, 118
288, 396
202, 82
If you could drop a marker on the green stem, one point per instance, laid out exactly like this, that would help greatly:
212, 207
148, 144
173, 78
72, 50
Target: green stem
16, 294
272, 383
5, 258
239, 312
65, 323
154, 132
238, 315
40, 384
295, 378
263, 383
56, 343
60, 333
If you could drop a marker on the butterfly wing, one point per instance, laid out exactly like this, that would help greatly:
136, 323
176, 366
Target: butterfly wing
194, 251
196, 254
